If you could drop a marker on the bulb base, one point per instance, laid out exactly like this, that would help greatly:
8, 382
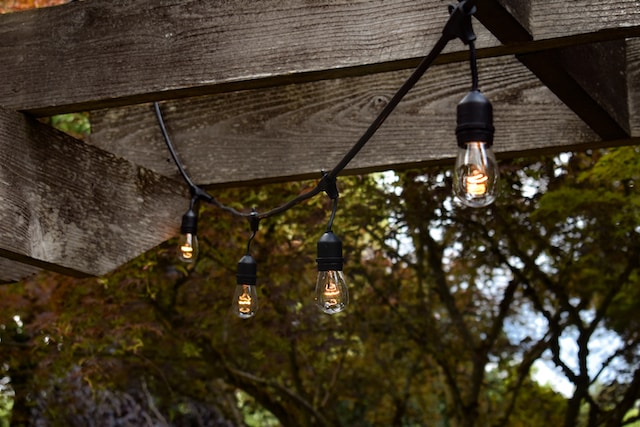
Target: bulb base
247, 271
330, 253
189, 223
475, 119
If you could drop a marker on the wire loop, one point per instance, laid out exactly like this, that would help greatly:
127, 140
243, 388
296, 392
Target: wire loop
458, 26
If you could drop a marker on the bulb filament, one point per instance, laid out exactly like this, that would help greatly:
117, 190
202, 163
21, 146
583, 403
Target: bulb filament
331, 294
476, 183
187, 251
244, 301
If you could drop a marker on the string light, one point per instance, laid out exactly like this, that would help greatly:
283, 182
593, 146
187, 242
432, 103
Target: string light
331, 293
475, 175
475, 178
188, 242
245, 297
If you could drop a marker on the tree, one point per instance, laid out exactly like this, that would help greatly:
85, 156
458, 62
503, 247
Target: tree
438, 294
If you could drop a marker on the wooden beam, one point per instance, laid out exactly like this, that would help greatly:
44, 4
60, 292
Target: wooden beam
508, 21
633, 86
104, 53
87, 55
590, 79
73, 208
11, 271
295, 131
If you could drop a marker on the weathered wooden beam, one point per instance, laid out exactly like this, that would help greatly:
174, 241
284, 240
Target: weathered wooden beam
86, 55
590, 79
295, 131
633, 86
11, 271
104, 53
509, 21
73, 208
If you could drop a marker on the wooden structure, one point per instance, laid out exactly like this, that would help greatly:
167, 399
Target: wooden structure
273, 90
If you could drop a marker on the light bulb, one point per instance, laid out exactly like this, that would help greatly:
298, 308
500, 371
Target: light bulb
245, 297
475, 175
188, 245
245, 301
331, 293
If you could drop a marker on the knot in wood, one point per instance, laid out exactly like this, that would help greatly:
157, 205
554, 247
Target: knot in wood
379, 101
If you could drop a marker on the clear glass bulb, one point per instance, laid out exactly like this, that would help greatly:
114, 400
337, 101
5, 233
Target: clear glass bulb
188, 245
475, 176
332, 294
245, 301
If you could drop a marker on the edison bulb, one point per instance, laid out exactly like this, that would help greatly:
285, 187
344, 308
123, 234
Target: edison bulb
332, 294
245, 301
476, 175
188, 247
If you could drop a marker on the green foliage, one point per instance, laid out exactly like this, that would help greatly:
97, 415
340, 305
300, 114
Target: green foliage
6, 403
75, 124
253, 413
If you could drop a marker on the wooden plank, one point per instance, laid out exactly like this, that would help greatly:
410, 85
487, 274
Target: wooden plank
509, 21
591, 79
295, 131
73, 208
11, 271
104, 53
86, 55
633, 76
549, 18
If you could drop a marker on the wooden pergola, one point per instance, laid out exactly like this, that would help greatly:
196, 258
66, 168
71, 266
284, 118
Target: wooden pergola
274, 90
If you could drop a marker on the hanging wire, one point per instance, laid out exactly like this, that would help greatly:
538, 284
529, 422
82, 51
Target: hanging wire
254, 222
371, 130
334, 209
458, 26
474, 66
172, 151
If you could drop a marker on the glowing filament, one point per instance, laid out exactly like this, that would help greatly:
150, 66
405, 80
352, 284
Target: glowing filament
244, 300
188, 247
187, 251
331, 293
476, 183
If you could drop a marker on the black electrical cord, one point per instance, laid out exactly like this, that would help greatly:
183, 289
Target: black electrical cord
172, 151
473, 65
254, 221
458, 26
334, 209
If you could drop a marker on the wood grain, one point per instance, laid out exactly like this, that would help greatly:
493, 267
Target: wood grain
589, 78
633, 85
73, 208
104, 53
581, 16
11, 271
295, 131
